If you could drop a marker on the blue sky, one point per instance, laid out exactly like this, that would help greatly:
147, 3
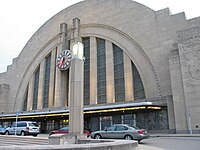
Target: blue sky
21, 18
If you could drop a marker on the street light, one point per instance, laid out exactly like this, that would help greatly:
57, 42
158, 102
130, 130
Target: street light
76, 91
77, 50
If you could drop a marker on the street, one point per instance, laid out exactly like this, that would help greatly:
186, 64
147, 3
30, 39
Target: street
170, 143
153, 143
8, 140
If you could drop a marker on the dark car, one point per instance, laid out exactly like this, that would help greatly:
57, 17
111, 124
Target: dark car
65, 130
121, 131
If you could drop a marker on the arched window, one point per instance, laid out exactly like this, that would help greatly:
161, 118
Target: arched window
118, 73
46, 81
139, 92
35, 89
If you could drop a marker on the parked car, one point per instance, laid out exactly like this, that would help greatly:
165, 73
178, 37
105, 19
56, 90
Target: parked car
65, 130
2, 130
121, 131
23, 128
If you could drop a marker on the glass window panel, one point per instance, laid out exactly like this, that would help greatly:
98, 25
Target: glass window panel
35, 89
86, 42
118, 73
120, 128
25, 101
116, 119
106, 122
139, 92
101, 71
112, 128
95, 123
46, 81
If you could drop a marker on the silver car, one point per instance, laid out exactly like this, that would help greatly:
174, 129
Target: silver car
23, 128
2, 130
121, 131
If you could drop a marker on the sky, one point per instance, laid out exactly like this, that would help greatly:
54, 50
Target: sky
20, 19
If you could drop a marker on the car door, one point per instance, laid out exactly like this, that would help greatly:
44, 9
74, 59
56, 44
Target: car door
108, 134
12, 129
120, 132
21, 126
64, 130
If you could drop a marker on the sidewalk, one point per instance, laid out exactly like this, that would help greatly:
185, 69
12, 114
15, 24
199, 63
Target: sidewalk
174, 135
145, 147
46, 136
43, 135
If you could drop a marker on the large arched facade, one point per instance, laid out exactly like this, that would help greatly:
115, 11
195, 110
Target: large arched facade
131, 70
114, 36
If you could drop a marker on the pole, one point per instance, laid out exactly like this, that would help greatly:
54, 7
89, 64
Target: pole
76, 91
189, 123
76, 97
16, 121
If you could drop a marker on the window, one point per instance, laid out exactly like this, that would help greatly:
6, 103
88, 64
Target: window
22, 124
64, 129
101, 71
139, 92
46, 81
129, 119
25, 101
86, 42
118, 73
35, 90
111, 128
33, 124
116, 119
121, 128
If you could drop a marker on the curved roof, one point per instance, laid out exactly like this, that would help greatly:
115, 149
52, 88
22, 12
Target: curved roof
88, 8
124, 15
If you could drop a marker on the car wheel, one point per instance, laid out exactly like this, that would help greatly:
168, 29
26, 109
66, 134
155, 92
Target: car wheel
35, 135
139, 141
97, 136
7, 133
128, 137
22, 133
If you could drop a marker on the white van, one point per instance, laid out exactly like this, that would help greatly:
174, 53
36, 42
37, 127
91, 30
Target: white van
23, 128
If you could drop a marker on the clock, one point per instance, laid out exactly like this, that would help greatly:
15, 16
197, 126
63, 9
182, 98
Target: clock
64, 59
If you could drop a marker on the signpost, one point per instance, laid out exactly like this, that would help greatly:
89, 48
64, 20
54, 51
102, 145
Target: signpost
17, 114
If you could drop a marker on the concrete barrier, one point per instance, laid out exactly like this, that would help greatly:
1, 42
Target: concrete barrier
89, 144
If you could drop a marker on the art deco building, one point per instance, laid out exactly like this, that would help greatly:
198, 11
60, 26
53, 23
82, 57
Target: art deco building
142, 67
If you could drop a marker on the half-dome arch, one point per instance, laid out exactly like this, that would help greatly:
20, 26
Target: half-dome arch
133, 50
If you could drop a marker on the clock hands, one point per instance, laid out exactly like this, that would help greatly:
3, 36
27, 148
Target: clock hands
64, 59
61, 62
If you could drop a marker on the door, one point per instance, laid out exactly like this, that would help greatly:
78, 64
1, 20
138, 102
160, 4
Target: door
120, 132
109, 132
12, 129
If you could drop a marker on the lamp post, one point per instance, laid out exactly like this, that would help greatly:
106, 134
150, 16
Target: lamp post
77, 50
76, 90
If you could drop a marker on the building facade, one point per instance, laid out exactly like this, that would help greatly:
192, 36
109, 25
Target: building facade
142, 67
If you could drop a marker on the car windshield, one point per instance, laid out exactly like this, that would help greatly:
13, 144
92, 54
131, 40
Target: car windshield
33, 124
133, 126
65, 129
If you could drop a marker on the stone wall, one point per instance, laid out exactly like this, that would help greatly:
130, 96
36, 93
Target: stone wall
189, 51
4, 94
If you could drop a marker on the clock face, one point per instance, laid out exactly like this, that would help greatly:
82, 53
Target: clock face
64, 59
